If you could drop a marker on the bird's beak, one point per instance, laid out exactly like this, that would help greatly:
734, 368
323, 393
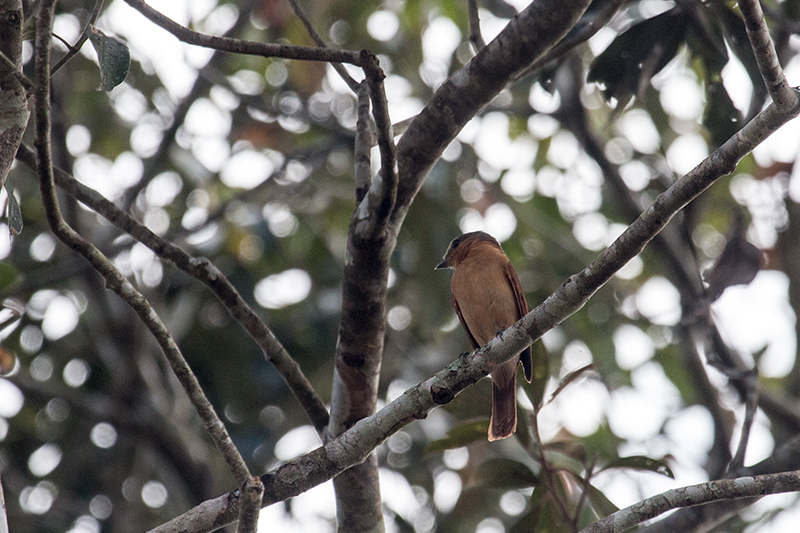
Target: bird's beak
442, 265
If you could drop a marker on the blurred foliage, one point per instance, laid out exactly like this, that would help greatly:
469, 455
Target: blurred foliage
182, 142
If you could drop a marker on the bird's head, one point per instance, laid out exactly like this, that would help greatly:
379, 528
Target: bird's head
460, 247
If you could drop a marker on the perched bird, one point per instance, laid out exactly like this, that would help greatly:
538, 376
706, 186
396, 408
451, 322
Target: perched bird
488, 297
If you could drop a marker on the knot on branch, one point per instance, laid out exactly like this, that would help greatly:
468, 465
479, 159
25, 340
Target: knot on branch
441, 394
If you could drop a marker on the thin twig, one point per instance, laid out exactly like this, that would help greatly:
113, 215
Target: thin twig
204, 271
74, 49
750, 381
114, 279
238, 46
338, 67
383, 192
711, 491
475, 36
766, 56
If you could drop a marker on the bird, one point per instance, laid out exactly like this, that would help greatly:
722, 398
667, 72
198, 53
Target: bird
488, 297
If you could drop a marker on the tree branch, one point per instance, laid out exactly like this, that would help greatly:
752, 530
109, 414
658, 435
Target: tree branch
767, 58
238, 46
114, 279
203, 270
338, 67
475, 36
74, 49
526, 38
712, 491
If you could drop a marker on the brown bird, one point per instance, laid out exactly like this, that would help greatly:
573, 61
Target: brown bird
488, 297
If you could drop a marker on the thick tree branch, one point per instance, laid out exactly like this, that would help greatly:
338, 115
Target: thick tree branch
712, 491
250, 506
526, 38
238, 46
3, 512
114, 279
767, 58
14, 112
203, 270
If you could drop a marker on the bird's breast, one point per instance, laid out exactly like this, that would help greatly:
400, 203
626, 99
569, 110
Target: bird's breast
484, 296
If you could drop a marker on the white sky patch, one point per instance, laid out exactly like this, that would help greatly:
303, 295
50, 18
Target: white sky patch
493, 145
757, 315
686, 152
296, 442
60, 318
491, 26
634, 416
632, 347
383, 25
638, 128
659, 301
247, 169
439, 40
581, 406
398, 495
11, 399
283, 289
44, 460
682, 97
737, 83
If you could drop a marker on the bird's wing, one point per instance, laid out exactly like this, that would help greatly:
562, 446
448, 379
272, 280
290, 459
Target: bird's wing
472, 340
522, 310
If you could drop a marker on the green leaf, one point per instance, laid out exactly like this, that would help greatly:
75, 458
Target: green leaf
14, 215
503, 474
114, 57
460, 436
641, 462
561, 461
601, 505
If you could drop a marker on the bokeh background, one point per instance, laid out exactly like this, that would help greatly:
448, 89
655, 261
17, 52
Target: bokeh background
248, 161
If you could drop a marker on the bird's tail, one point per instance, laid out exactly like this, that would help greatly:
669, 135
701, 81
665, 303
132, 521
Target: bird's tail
504, 409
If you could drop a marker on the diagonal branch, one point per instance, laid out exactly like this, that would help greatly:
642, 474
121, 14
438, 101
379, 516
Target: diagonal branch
357, 443
238, 46
114, 279
204, 271
764, 50
711, 491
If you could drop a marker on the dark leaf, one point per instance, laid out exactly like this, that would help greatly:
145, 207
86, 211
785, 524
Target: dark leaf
738, 264
503, 474
601, 505
114, 57
460, 436
561, 461
722, 119
635, 56
640, 462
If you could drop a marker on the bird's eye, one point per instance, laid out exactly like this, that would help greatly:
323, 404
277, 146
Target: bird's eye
455, 243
